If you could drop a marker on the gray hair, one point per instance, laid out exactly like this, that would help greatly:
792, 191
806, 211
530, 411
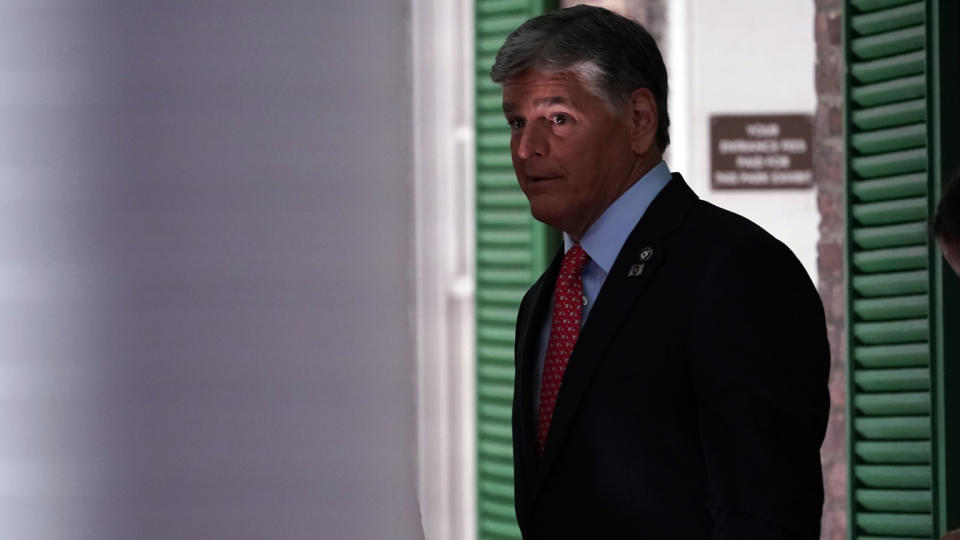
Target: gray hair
612, 55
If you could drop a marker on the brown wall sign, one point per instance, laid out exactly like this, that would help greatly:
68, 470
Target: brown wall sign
761, 151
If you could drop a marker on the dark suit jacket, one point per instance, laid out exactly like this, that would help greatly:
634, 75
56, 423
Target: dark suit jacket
695, 401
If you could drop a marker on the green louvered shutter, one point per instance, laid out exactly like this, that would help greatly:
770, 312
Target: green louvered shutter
894, 280
512, 251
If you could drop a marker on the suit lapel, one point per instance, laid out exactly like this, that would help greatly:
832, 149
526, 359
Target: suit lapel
638, 261
528, 341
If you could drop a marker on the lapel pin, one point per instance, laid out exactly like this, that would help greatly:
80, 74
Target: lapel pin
646, 253
635, 270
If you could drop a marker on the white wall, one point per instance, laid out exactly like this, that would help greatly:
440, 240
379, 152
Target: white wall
743, 56
206, 271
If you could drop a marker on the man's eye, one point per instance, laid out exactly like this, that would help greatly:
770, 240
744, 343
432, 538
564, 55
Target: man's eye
516, 123
560, 119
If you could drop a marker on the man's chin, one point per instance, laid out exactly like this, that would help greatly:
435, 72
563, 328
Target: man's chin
546, 214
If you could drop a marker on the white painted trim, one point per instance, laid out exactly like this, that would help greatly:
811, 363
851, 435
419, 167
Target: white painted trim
443, 171
678, 70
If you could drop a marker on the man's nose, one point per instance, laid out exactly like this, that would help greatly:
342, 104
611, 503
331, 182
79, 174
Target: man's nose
533, 141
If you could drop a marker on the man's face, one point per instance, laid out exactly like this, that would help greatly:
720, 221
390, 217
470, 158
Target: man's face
951, 252
572, 155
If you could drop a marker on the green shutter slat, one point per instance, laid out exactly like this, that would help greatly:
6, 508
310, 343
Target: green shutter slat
894, 476
873, 5
889, 19
889, 43
487, 86
903, 89
503, 256
895, 524
503, 198
484, 63
504, 295
911, 354
497, 529
885, 260
888, 68
496, 179
497, 489
504, 236
893, 283
498, 142
492, 103
494, 7
499, 374
893, 403
496, 217
897, 307
496, 335
907, 161
908, 112
494, 160
496, 276
887, 140
501, 470
495, 411
492, 122
489, 45
892, 332
906, 185
498, 450
498, 510
893, 427
495, 391
497, 353
886, 380
890, 235
895, 500
893, 452
886, 212
501, 24
498, 314
495, 430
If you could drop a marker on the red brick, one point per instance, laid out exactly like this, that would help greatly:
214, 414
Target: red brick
828, 74
829, 256
835, 123
835, 480
828, 164
838, 391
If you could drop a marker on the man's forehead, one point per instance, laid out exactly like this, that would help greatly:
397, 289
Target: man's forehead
540, 88
544, 101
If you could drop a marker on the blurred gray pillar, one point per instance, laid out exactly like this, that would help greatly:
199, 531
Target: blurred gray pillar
205, 271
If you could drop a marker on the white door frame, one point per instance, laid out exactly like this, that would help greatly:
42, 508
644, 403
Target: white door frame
444, 275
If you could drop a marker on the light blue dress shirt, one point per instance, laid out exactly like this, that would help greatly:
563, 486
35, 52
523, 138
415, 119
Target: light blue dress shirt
603, 242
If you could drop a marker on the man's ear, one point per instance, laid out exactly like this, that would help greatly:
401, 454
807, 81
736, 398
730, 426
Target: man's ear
643, 121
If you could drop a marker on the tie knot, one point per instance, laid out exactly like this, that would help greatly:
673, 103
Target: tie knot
574, 261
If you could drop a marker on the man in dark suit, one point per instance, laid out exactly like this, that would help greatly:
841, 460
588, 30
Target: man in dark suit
672, 363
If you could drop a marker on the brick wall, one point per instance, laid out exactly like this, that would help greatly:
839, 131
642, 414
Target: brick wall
828, 172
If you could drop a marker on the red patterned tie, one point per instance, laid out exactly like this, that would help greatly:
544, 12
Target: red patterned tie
564, 329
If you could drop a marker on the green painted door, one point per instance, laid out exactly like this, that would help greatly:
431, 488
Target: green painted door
901, 316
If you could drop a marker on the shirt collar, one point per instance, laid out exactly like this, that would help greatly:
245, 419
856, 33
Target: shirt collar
606, 236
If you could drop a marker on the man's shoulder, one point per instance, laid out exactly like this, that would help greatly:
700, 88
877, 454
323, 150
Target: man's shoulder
726, 230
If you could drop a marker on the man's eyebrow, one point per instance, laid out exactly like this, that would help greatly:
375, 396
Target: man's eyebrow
549, 100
